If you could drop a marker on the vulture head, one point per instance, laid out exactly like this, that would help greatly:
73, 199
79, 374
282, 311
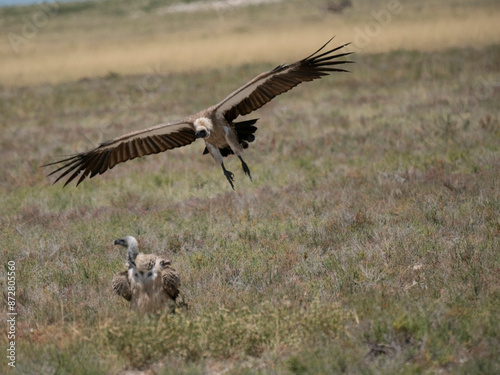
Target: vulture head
132, 248
202, 127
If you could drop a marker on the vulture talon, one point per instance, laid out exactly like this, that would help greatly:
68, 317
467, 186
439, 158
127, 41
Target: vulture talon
245, 168
229, 175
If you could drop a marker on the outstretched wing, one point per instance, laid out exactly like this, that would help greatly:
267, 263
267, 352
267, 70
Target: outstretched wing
156, 139
121, 285
266, 86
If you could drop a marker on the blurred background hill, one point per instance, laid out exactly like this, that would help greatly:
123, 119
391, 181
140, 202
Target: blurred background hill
59, 41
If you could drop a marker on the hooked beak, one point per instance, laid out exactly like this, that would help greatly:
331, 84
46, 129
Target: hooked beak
200, 134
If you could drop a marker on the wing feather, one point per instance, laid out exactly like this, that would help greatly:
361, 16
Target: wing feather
268, 85
121, 285
151, 146
159, 142
170, 281
98, 160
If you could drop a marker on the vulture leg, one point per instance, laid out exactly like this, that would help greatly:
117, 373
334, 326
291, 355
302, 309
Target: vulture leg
236, 148
245, 168
214, 151
229, 175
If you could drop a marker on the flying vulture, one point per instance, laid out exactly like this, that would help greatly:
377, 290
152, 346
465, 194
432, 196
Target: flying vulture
215, 125
150, 283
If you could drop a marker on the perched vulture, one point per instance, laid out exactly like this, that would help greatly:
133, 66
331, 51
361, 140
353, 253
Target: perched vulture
150, 283
215, 125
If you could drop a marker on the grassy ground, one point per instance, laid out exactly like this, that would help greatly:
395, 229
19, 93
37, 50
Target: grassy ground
367, 242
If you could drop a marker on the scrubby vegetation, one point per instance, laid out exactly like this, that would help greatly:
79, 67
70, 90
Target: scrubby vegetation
367, 242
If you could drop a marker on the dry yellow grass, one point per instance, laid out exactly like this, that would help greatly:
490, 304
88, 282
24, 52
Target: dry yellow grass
60, 52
